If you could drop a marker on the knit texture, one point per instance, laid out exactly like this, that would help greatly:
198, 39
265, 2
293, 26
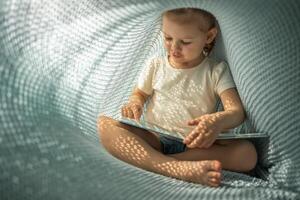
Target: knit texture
62, 63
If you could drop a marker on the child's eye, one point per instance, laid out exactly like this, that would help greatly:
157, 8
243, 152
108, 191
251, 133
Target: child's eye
185, 43
168, 38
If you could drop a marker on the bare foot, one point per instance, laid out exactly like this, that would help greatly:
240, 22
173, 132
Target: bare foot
204, 172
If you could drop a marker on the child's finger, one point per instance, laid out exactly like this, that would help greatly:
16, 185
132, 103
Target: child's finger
198, 142
137, 112
124, 113
192, 122
129, 113
190, 137
136, 116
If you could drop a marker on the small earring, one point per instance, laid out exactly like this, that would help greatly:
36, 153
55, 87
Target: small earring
205, 51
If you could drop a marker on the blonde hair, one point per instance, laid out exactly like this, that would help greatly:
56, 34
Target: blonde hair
209, 21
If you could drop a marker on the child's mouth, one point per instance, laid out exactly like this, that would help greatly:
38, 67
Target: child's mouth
176, 55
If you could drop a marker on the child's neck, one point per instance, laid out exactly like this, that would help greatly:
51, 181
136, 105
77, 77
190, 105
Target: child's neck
186, 65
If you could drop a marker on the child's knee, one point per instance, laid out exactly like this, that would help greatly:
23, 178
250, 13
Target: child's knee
248, 155
102, 122
104, 125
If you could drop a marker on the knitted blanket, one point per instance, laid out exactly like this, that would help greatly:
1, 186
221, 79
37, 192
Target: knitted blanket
62, 63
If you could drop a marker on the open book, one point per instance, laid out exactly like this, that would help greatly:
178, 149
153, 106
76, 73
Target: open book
179, 136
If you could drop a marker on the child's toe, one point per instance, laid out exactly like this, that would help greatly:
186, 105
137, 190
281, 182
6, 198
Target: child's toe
214, 166
213, 174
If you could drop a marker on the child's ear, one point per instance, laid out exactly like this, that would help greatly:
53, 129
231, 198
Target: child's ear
211, 35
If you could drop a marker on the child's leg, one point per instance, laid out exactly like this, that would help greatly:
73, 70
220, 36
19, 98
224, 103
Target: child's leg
235, 155
128, 145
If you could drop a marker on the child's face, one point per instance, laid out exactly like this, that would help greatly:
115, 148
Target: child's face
184, 42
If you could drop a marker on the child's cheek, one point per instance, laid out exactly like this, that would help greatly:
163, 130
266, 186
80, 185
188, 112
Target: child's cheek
167, 45
188, 49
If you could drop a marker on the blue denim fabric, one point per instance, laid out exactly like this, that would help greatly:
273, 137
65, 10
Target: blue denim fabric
170, 146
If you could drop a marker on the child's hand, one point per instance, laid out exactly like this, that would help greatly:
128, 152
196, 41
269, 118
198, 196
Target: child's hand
132, 110
205, 133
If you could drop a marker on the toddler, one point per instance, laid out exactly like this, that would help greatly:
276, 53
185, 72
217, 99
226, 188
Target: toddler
181, 91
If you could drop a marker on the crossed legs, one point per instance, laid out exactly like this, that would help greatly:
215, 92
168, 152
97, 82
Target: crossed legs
142, 149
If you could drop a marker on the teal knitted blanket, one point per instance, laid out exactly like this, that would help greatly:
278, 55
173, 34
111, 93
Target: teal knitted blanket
62, 63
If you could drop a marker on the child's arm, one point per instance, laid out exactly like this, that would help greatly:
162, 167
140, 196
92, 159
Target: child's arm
234, 113
138, 96
209, 126
134, 108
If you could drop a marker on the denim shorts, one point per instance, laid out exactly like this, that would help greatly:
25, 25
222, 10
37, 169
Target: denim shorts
171, 146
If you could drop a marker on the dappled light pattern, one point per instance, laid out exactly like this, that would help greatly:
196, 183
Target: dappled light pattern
125, 143
180, 95
63, 63
203, 172
130, 149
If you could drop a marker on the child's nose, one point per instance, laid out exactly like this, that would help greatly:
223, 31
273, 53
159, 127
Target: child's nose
176, 45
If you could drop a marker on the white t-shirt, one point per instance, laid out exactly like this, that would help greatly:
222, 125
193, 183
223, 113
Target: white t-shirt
179, 95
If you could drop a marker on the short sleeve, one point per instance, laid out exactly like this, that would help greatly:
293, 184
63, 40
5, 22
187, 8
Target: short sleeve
222, 78
146, 77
